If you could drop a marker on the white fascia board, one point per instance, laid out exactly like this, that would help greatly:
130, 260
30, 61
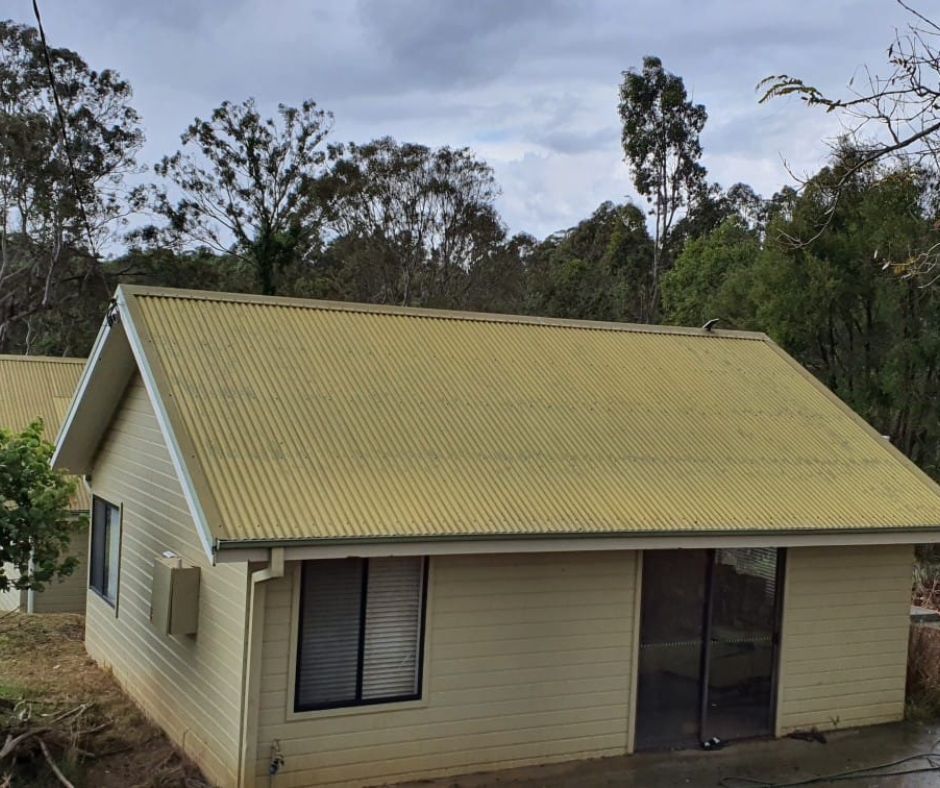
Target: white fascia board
166, 429
232, 554
103, 333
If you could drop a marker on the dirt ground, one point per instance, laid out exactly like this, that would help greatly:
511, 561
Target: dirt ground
97, 737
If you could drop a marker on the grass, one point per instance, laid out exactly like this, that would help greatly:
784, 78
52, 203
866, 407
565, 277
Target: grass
104, 743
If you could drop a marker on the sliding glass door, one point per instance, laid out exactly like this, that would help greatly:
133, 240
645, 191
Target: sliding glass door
672, 639
742, 644
708, 638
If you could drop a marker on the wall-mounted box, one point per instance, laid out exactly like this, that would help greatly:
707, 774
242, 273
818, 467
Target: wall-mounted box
174, 597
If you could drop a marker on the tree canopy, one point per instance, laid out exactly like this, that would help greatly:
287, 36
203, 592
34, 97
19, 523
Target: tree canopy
61, 197
35, 522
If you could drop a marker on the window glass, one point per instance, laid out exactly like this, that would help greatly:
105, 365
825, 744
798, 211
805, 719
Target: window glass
104, 570
360, 632
393, 623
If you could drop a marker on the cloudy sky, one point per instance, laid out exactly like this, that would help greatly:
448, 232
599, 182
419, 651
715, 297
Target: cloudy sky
531, 85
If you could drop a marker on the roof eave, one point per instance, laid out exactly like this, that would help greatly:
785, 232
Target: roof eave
300, 549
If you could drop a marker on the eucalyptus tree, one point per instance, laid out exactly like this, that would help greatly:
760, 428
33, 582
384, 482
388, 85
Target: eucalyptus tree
62, 196
415, 225
245, 185
661, 128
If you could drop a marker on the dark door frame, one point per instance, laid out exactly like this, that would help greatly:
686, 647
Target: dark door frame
705, 661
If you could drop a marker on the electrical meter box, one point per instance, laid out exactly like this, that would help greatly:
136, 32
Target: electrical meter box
174, 598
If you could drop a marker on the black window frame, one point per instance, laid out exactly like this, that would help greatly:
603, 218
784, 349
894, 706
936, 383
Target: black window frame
98, 567
359, 701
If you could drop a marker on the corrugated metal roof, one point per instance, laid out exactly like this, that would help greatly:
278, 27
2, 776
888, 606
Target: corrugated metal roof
34, 387
314, 420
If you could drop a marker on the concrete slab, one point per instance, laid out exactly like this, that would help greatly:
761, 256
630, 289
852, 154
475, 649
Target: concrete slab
753, 764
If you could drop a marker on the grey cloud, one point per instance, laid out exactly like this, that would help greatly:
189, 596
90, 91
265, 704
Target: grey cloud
433, 43
530, 85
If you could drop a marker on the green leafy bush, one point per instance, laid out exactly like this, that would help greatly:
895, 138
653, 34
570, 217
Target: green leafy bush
36, 523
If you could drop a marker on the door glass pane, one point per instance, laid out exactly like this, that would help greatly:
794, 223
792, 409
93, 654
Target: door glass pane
671, 640
741, 651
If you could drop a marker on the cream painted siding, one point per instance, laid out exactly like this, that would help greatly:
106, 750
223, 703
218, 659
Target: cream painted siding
68, 594
12, 599
529, 660
844, 636
191, 686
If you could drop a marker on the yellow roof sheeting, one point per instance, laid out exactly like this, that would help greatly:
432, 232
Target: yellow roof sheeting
34, 387
307, 420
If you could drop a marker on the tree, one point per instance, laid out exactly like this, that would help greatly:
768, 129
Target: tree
895, 114
712, 278
598, 270
61, 195
35, 522
248, 188
661, 128
413, 225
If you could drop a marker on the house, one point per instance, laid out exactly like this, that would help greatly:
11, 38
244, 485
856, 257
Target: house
34, 387
338, 544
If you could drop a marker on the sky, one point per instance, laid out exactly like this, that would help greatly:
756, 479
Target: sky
530, 85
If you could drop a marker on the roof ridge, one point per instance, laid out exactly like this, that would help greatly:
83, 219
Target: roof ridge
436, 314
43, 359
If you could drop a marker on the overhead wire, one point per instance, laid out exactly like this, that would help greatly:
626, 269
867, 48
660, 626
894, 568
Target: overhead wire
63, 123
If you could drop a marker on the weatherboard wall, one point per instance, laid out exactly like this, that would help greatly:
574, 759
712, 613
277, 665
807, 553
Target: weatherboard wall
13, 599
67, 594
192, 685
844, 640
528, 660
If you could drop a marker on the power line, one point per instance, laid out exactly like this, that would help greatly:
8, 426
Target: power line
64, 125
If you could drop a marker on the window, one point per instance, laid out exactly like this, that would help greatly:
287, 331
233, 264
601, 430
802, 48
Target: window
105, 549
361, 632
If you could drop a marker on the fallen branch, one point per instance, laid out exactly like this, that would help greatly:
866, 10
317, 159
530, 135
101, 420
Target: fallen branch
77, 710
13, 742
96, 729
55, 769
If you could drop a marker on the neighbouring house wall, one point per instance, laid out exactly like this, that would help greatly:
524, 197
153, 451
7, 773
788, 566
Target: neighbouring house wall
844, 638
529, 660
67, 595
191, 685
12, 599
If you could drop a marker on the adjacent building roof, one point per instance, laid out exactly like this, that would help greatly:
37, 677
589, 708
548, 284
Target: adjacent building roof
303, 421
34, 387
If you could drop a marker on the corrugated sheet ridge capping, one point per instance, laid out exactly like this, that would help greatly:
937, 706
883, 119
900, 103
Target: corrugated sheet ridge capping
426, 313
347, 422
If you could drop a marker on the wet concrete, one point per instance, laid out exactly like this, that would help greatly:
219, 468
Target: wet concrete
753, 764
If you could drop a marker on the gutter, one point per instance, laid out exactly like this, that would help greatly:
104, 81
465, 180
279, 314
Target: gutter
308, 549
251, 683
331, 541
